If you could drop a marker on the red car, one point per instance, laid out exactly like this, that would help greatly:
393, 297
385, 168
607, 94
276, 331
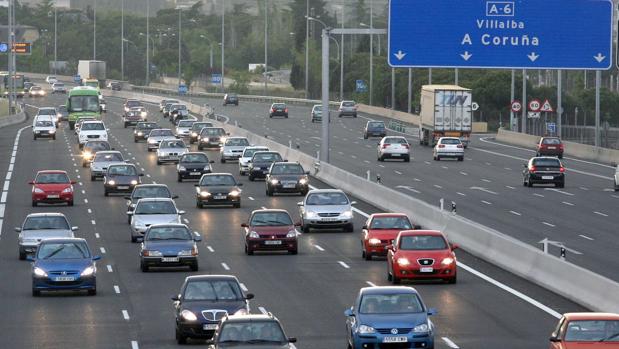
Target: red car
421, 254
380, 230
270, 230
52, 187
586, 331
550, 146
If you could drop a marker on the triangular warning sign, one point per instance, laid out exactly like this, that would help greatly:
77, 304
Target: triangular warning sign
546, 107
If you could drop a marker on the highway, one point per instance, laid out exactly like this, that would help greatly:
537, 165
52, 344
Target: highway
307, 292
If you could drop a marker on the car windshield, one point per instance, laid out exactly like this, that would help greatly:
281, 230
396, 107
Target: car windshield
450, 141
267, 157
390, 223
146, 125
179, 107
35, 88
173, 144
348, 104
122, 170
398, 303
212, 290
46, 222
248, 153
161, 133
422, 243
155, 207
200, 125
237, 142
84, 103
185, 123
52, 178
44, 123
132, 104
270, 219
151, 192
252, 332
395, 140
213, 131
97, 146
592, 331
217, 180
168, 233
92, 126
551, 141
58, 85
194, 158
547, 162
327, 198
108, 157
317, 108
279, 105
374, 125
287, 169
63, 250
47, 111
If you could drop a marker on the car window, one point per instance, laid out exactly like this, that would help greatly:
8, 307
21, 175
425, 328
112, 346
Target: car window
52, 178
592, 331
97, 146
212, 290
547, 162
248, 153
194, 158
185, 123
254, 331
200, 125
450, 141
44, 124
161, 133
155, 207
46, 222
287, 169
173, 144
47, 111
108, 157
217, 180
395, 140
84, 103
213, 131
267, 157
270, 219
317, 108
551, 141
62, 250
390, 223
390, 304
151, 192
92, 126
62, 108
122, 170
237, 142
376, 125
179, 107
327, 198
168, 233
348, 104
422, 243
132, 104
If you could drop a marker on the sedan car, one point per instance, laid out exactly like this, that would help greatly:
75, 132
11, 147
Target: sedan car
394, 147
132, 103
193, 166
550, 146
59, 87
380, 230
36, 91
218, 189
421, 254
586, 330
142, 129
121, 178
374, 129
63, 113
263, 331
248, 154
270, 230
278, 109
196, 128
63, 264
347, 108
38, 227
389, 317
261, 162
316, 114
158, 135
326, 209
287, 177
102, 160
169, 245
170, 151
211, 137
543, 170
149, 211
167, 108
203, 301
142, 191
52, 187
233, 148
183, 128
163, 103
448, 147
231, 98
91, 148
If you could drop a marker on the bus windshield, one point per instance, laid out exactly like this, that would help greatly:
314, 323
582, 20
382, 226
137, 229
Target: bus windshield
84, 103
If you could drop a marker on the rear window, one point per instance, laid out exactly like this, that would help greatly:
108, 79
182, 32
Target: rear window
213, 131
185, 123
108, 157
348, 104
132, 104
47, 111
267, 157
551, 141
395, 141
450, 141
547, 162
279, 105
376, 125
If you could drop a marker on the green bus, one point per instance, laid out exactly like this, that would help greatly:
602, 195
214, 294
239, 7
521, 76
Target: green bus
83, 101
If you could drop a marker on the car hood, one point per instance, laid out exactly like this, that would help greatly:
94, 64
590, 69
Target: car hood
218, 189
45, 234
384, 234
196, 307
199, 165
120, 179
53, 187
234, 147
278, 230
253, 346
262, 163
407, 320
437, 255
328, 208
156, 218
44, 128
92, 132
63, 264
169, 247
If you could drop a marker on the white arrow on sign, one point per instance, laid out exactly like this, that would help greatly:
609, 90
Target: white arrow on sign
399, 55
466, 55
474, 106
599, 57
532, 56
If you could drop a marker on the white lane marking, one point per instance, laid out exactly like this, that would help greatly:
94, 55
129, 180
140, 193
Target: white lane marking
437, 186
370, 283
445, 167
93, 222
97, 235
102, 249
109, 268
243, 287
427, 162
539, 195
366, 161
8, 176
567, 203
515, 213
11, 166
4, 195
352, 156
89, 211
262, 310
549, 224
383, 166
210, 249
263, 207
251, 198
225, 266
354, 209
344, 264
615, 196
559, 191
147, 175
464, 173
507, 168
125, 314
319, 248
417, 180
487, 163
486, 180
509, 186
116, 289
586, 237
142, 168
12, 160
600, 213
398, 172
486, 202
86, 201
461, 194
83, 191
134, 345
6, 185
510, 290
450, 343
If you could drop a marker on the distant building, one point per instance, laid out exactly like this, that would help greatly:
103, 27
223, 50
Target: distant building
23, 33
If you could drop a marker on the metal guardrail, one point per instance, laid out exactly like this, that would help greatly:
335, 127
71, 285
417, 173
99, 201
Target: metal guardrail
397, 126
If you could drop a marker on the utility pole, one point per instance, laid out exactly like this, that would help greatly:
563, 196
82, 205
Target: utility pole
410, 90
342, 59
94, 31
223, 43
10, 57
147, 42
266, 43
55, 36
512, 97
559, 103
122, 41
307, 49
524, 101
180, 29
371, 49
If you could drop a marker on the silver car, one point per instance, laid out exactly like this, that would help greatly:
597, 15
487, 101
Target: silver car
152, 211
394, 147
170, 151
102, 160
183, 129
245, 159
233, 148
326, 209
156, 136
40, 226
347, 108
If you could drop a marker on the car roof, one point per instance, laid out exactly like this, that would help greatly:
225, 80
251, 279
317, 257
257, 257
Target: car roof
545, 158
162, 225
286, 163
159, 129
46, 214
109, 152
388, 214
211, 277
156, 199
420, 232
195, 153
388, 290
249, 317
52, 171
313, 191
64, 240
269, 210
256, 147
591, 316
151, 185
122, 164
448, 138
218, 174
92, 122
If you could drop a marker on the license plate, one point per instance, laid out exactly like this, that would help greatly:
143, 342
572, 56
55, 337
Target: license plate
396, 339
273, 242
209, 326
64, 278
53, 196
265, 171
194, 173
219, 197
548, 177
552, 147
426, 269
290, 185
395, 154
169, 259
329, 219
123, 187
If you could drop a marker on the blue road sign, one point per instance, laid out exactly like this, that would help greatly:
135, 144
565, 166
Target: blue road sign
551, 128
519, 34
361, 86
77, 78
216, 78
4, 47
182, 89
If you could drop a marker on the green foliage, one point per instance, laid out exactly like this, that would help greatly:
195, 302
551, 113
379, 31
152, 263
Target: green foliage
241, 82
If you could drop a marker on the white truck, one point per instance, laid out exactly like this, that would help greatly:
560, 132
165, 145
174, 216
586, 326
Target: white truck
92, 70
446, 111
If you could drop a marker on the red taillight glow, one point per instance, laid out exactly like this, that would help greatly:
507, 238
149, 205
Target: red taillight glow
406, 146
273, 109
286, 110
460, 146
532, 169
441, 145
562, 169
385, 146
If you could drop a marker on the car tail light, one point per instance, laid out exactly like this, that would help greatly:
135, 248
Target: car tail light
441, 145
385, 146
561, 146
460, 146
286, 110
532, 169
562, 169
405, 146
273, 110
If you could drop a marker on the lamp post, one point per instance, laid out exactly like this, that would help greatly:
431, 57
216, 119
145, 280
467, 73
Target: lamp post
266, 41
122, 41
147, 42
307, 49
371, 54
55, 36
223, 41
210, 44
94, 31
180, 10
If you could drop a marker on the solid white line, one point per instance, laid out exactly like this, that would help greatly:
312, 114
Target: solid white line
6, 185
567, 203
134, 345
450, 343
243, 287
225, 266
102, 249
210, 249
319, 248
507, 168
516, 213
116, 289
109, 268
586, 237
125, 314
250, 198
3, 198
461, 194
262, 310
486, 202
549, 224
344, 264
600, 213
97, 235
370, 283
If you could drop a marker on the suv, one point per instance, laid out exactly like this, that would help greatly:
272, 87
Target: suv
251, 331
132, 103
347, 108
134, 115
550, 146
543, 170
287, 177
231, 98
90, 131
374, 129
326, 208
448, 147
278, 109
394, 147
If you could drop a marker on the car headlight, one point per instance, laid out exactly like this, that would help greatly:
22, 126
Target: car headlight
205, 194
365, 329
152, 141
234, 193
447, 261
140, 133
143, 114
52, 131
68, 190
134, 182
38, 191
182, 168
374, 241
37, 131
39, 272
111, 182
126, 109
403, 261
205, 139
303, 181
292, 234
193, 134
421, 328
274, 181
254, 235
152, 253
207, 168
87, 155
88, 271
346, 214
184, 253
188, 315
311, 214
223, 140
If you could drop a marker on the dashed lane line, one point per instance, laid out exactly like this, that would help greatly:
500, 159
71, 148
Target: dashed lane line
319, 248
125, 315
116, 289
346, 266
225, 266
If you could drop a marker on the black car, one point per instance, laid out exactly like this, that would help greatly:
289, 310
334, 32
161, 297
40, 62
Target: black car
167, 108
121, 178
260, 163
543, 170
287, 177
178, 112
278, 109
91, 148
193, 166
28, 85
63, 113
203, 301
211, 137
231, 98
374, 129
262, 331
116, 86
169, 245
142, 191
142, 129
134, 115
195, 130
218, 189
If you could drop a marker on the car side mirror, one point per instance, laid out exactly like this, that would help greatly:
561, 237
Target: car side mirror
244, 225
197, 237
297, 224
175, 197
248, 161
292, 340
432, 311
416, 226
285, 160
300, 203
227, 133
18, 229
141, 175
307, 172
524, 165
129, 213
181, 212
176, 298
349, 312
30, 258
96, 258
196, 185
31, 182
73, 182
211, 162
113, 149
128, 198
75, 228
554, 339
454, 246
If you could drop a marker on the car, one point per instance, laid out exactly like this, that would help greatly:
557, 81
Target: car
232, 148
149, 211
51, 79
586, 330
203, 301
394, 147
102, 160
543, 170
389, 317
163, 103
43, 128
448, 147
134, 115
115, 86
178, 112
278, 109
248, 154
59, 87
196, 128
380, 230
231, 98
193, 165
170, 150
121, 178
52, 187
211, 137
347, 108
132, 103
142, 191
169, 245
38, 227
326, 209
251, 331
183, 128
167, 108
316, 114
374, 129
91, 148
287, 177
261, 162
158, 135
421, 255
62, 113
102, 104
616, 178
36, 91
90, 131
52, 112
218, 189
80, 121
270, 230
142, 129
62, 264
27, 86
549, 146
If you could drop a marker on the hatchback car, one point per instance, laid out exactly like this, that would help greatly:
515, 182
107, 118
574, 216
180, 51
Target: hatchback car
196, 128
63, 264
121, 178
261, 162
448, 147
169, 245
211, 137
586, 330
43, 128
380, 230
316, 113
163, 103
262, 331
91, 148
233, 148
51, 112
326, 209
543, 170
183, 128
59, 87
389, 317
245, 159
394, 147
102, 160
149, 211
203, 301
550, 146
142, 191
142, 129
91, 131
156, 136
421, 254
270, 230
231, 98
374, 129
218, 189
38, 227
170, 150
287, 177
347, 108
278, 109
52, 187
193, 166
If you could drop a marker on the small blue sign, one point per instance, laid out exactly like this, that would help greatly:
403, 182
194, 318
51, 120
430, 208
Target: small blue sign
4, 47
182, 89
216, 78
522, 34
551, 128
77, 78
361, 86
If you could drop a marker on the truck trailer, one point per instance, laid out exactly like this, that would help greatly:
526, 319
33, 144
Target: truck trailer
446, 111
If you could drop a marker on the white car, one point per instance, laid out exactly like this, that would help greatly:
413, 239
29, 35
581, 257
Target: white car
183, 128
43, 126
233, 148
245, 158
103, 160
158, 135
52, 112
170, 150
448, 147
151, 211
394, 147
51, 79
92, 131
59, 87
617, 178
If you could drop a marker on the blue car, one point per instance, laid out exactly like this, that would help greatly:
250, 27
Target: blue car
64, 264
393, 316
169, 245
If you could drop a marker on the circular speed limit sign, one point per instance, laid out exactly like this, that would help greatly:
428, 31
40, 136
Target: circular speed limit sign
516, 106
535, 105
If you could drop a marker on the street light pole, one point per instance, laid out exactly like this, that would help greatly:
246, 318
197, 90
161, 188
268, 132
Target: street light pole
371, 49
122, 41
266, 38
55, 36
94, 31
342, 59
210, 44
147, 42
307, 50
180, 11
223, 43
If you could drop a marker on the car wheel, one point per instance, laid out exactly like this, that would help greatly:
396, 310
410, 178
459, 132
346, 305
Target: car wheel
237, 205
22, 255
194, 266
529, 183
537, 154
248, 251
561, 184
389, 277
223, 161
395, 280
349, 228
143, 267
36, 293
179, 178
452, 280
34, 137
199, 204
305, 229
365, 136
34, 203
125, 125
54, 137
295, 251
461, 158
251, 177
199, 147
381, 158
106, 193
407, 159
158, 162
92, 178
92, 292
269, 191
180, 339
70, 203
367, 256
561, 156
